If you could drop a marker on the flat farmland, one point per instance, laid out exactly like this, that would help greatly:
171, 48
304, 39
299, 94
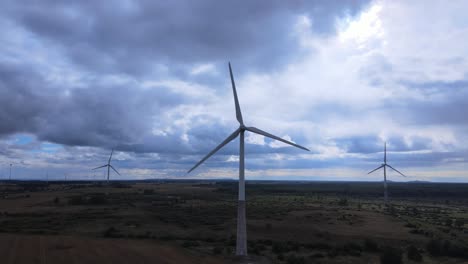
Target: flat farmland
195, 222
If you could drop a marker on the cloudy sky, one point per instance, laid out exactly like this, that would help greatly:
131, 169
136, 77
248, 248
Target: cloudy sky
150, 79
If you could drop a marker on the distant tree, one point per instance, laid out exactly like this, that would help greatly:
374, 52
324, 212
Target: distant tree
459, 223
343, 202
448, 222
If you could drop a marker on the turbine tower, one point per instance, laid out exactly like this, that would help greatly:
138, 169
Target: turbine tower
241, 242
109, 166
384, 166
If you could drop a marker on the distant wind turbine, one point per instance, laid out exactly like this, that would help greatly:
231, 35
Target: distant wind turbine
384, 165
241, 243
109, 166
9, 179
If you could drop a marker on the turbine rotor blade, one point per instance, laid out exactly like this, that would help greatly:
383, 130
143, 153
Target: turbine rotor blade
114, 169
385, 153
110, 156
236, 100
100, 167
266, 134
396, 170
376, 169
227, 140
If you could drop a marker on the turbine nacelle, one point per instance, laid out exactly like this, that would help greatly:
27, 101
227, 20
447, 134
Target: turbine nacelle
385, 164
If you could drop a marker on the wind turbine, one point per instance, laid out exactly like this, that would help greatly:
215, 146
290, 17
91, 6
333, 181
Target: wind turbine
9, 178
109, 166
384, 165
241, 242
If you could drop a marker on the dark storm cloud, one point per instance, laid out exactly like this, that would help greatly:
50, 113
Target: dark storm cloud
97, 115
24, 103
131, 36
118, 116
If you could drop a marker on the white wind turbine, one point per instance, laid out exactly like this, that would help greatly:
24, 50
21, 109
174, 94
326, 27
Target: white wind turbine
109, 166
241, 242
384, 165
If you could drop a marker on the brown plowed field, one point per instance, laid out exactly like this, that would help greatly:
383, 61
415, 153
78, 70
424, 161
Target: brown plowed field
28, 249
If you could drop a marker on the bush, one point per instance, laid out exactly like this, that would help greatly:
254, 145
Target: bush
56, 200
319, 246
391, 255
371, 245
217, 250
459, 223
343, 202
97, 199
189, 243
352, 249
316, 255
279, 247
76, 200
148, 191
414, 254
293, 259
448, 222
110, 232
446, 248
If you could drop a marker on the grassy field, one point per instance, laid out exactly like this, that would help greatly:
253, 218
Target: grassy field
195, 221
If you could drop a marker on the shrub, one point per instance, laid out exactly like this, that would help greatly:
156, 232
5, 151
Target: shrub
434, 247
97, 199
148, 191
76, 200
217, 250
414, 254
391, 255
293, 259
316, 255
448, 222
459, 223
319, 246
56, 200
343, 202
279, 247
371, 245
110, 232
189, 243
352, 249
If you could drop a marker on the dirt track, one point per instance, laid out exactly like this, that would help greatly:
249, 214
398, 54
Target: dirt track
19, 249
